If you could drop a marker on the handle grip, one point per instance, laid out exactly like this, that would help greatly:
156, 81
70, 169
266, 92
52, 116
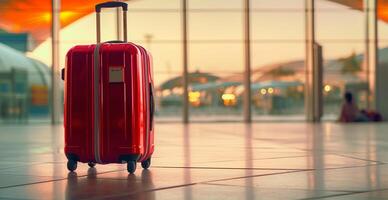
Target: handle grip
112, 4
115, 41
152, 106
63, 74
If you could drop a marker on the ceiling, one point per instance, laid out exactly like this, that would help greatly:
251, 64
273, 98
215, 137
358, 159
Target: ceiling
34, 16
358, 5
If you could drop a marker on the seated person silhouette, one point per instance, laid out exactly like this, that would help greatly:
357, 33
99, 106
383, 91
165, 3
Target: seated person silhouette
350, 111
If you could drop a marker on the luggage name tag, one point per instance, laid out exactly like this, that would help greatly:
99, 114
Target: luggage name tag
116, 75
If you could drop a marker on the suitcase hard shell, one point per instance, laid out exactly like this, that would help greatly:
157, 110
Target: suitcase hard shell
109, 102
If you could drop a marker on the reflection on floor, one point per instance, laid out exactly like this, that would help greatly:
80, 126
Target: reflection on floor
208, 161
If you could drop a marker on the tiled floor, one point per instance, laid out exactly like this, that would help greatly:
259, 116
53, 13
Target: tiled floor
208, 161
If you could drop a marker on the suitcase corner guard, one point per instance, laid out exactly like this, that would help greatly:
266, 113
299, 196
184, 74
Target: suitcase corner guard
72, 156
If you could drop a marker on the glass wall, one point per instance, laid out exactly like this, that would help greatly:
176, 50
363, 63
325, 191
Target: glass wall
215, 32
215, 55
278, 71
341, 32
157, 27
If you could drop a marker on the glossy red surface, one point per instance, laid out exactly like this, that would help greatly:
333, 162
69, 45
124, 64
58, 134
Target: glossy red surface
78, 102
148, 73
124, 106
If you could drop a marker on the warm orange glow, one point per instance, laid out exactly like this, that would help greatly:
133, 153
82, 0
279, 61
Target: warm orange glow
270, 90
16, 27
194, 98
263, 91
229, 99
383, 14
67, 16
26, 16
327, 88
39, 95
46, 16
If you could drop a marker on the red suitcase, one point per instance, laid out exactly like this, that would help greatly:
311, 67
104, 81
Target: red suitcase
109, 102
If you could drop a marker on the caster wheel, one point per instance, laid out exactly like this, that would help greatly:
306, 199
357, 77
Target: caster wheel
131, 167
91, 164
146, 164
71, 165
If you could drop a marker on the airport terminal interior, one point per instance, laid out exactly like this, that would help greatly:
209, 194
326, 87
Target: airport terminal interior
251, 99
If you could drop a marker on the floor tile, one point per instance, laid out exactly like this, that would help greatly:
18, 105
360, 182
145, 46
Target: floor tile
229, 192
373, 195
345, 179
208, 161
107, 185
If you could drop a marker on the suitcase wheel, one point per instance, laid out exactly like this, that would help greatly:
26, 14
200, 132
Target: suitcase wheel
91, 164
131, 167
146, 164
71, 165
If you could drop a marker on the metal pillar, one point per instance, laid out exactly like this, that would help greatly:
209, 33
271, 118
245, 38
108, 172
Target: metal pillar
148, 41
378, 71
309, 59
185, 81
366, 53
373, 75
371, 55
56, 102
119, 24
317, 85
247, 72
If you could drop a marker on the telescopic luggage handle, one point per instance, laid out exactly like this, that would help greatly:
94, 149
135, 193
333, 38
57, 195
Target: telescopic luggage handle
111, 4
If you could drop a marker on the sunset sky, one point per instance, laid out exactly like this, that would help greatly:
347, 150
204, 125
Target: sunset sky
277, 30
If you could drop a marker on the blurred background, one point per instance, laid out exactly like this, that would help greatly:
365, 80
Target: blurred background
216, 57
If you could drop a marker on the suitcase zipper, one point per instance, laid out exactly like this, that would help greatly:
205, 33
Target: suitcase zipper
97, 103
